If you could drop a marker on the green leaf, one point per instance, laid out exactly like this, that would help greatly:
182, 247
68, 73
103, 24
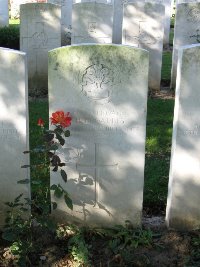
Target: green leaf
48, 137
61, 164
60, 139
67, 133
54, 147
58, 130
24, 181
25, 166
58, 192
24, 209
55, 169
68, 201
9, 236
54, 205
64, 175
55, 160
26, 152
53, 187
36, 182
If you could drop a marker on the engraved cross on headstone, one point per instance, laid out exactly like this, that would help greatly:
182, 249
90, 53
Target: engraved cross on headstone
39, 39
197, 36
143, 37
96, 166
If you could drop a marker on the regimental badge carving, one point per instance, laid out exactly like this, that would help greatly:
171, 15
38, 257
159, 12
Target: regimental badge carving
193, 15
92, 27
97, 82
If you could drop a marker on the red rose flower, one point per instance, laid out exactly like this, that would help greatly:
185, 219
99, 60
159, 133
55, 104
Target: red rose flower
61, 118
40, 122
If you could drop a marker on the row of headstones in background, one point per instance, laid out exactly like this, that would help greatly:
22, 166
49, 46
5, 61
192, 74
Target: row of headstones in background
143, 27
4, 14
40, 31
105, 152
187, 14
14, 133
66, 19
118, 18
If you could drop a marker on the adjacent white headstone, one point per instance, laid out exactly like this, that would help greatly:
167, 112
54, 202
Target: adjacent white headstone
167, 19
186, 1
105, 89
143, 27
92, 23
66, 19
118, 18
13, 127
40, 31
186, 31
183, 210
4, 17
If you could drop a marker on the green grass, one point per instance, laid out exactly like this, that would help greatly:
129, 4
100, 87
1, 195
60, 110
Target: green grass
166, 66
14, 21
158, 148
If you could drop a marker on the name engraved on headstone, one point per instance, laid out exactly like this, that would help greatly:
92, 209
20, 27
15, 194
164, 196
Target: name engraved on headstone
9, 134
105, 121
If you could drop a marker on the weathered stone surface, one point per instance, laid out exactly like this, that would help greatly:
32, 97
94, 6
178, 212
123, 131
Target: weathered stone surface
4, 17
143, 27
13, 127
186, 31
92, 22
118, 18
183, 210
105, 89
66, 19
40, 31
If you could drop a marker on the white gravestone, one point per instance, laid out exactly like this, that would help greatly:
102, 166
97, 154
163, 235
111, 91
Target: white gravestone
104, 87
143, 27
167, 18
92, 23
66, 19
4, 17
186, 1
13, 127
40, 31
183, 210
118, 19
186, 31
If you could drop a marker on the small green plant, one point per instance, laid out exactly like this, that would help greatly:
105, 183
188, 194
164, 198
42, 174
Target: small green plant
17, 230
47, 157
78, 247
20, 229
125, 237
